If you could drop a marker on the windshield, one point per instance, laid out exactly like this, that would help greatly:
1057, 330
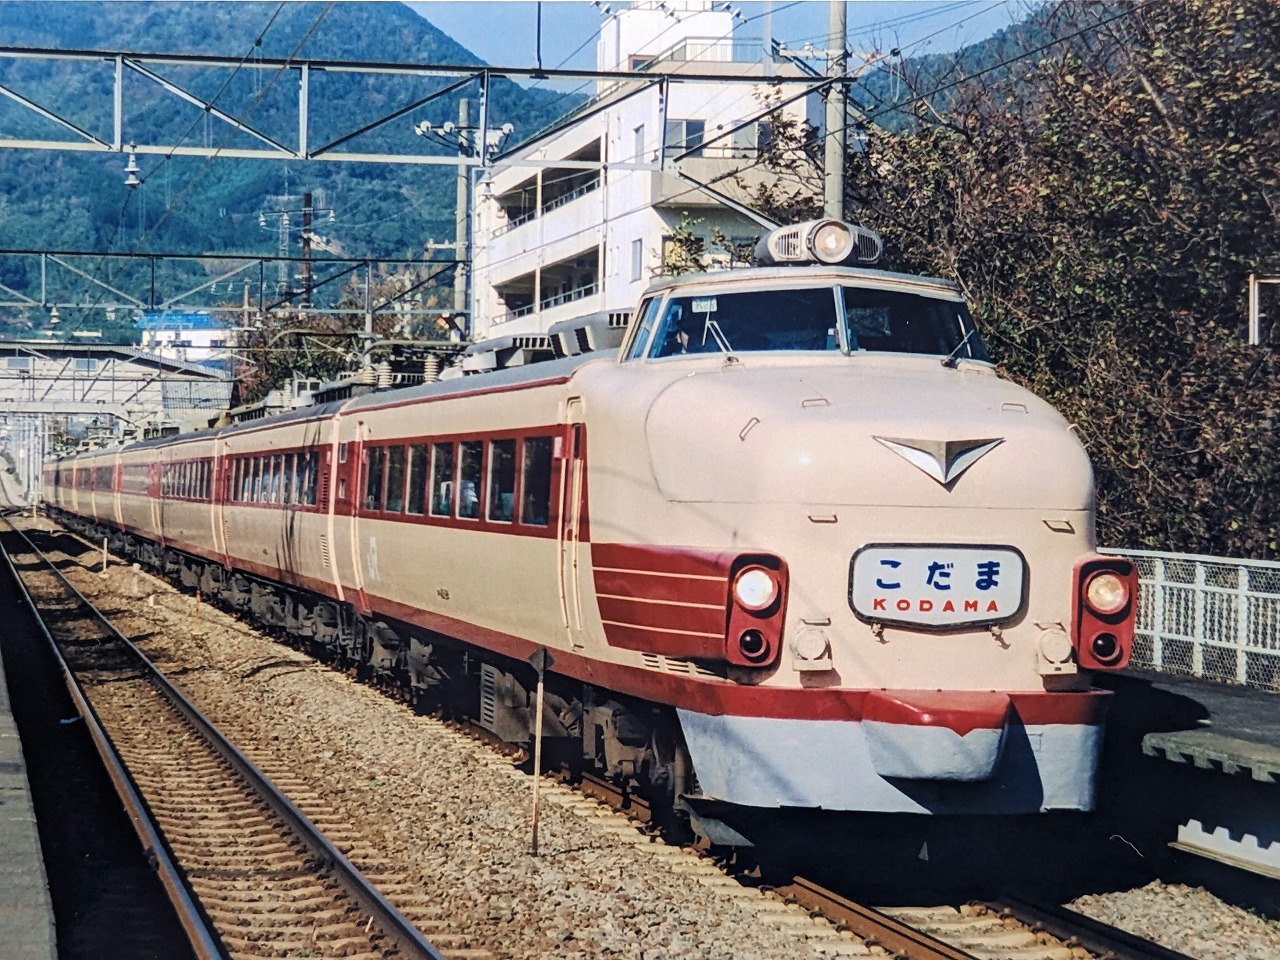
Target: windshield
897, 322
803, 319
806, 319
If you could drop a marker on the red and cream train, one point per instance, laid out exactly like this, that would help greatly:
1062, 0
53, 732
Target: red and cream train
793, 544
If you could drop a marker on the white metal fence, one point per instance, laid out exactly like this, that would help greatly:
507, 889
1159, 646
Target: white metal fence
1208, 617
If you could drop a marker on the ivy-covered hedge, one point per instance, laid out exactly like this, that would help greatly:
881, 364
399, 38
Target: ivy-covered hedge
1103, 207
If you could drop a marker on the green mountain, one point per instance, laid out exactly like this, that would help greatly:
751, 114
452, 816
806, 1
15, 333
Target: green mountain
64, 200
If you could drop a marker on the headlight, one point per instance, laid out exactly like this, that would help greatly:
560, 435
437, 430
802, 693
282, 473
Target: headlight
1106, 593
832, 242
755, 588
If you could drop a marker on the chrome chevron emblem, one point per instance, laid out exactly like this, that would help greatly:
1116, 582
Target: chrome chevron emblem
944, 460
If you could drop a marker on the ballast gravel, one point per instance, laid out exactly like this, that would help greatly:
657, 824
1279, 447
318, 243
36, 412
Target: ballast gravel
1186, 919
431, 802
435, 804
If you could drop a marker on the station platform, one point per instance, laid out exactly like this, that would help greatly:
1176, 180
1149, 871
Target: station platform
1238, 734
1226, 740
26, 913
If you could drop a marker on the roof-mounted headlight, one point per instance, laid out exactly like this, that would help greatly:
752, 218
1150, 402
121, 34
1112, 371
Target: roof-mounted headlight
819, 241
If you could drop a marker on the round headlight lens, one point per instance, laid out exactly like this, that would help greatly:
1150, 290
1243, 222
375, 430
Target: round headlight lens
1106, 593
832, 242
755, 588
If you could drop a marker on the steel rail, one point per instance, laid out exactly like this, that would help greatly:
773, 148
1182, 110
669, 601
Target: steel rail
876, 928
203, 942
394, 925
1104, 940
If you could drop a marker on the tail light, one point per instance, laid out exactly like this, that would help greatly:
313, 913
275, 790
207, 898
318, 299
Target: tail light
757, 602
1105, 606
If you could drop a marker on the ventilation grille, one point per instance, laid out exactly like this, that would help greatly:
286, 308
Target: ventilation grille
787, 244
325, 560
324, 490
688, 668
488, 697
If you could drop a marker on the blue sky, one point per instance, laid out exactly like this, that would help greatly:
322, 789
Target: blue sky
502, 32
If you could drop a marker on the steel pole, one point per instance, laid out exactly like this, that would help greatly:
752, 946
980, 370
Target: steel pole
461, 213
833, 155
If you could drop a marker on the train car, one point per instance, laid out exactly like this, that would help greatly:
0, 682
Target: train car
794, 543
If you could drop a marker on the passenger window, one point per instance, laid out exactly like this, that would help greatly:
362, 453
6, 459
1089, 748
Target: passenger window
277, 479
442, 480
309, 478
470, 476
395, 479
417, 479
502, 480
537, 481
377, 458
342, 453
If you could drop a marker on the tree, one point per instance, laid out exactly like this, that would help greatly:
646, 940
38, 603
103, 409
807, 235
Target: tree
1101, 204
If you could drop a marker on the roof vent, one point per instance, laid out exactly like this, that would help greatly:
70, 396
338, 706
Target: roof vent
503, 352
596, 331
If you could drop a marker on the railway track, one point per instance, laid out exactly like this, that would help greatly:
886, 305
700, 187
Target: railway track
250, 874
1007, 929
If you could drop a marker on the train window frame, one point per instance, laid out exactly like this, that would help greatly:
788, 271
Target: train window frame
527, 490
477, 482
277, 479
417, 483
374, 492
311, 478
510, 450
717, 341
398, 487
642, 329
443, 483
342, 453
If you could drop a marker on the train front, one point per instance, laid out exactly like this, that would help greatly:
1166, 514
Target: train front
884, 548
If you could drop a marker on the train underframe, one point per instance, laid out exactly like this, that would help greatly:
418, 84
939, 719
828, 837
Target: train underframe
634, 743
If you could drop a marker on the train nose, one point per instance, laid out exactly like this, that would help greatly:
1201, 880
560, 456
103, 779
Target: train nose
771, 436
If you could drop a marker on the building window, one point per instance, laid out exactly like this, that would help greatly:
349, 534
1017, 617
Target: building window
637, 260
86, 365
19, 363
637, 142
685, 135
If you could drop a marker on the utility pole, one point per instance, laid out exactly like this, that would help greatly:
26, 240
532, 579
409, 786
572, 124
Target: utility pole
461, 221
306, 250
833, 156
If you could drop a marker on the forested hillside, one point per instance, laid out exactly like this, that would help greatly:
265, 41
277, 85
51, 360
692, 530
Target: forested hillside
52, 200
1102, 205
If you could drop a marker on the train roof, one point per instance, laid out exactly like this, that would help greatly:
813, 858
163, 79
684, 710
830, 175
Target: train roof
750, 278
508, 377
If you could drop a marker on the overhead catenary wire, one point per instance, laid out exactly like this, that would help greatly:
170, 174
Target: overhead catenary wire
124, 207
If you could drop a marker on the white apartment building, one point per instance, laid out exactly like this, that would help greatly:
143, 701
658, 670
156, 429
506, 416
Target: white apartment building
554, 243
188, 337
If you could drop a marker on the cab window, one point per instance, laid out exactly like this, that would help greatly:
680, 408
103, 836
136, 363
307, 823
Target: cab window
646, 316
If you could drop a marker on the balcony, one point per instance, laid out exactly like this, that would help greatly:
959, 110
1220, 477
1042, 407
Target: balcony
534, 300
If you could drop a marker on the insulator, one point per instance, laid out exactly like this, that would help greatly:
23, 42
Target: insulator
431, 369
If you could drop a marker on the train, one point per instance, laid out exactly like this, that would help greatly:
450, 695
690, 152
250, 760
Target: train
783, 538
